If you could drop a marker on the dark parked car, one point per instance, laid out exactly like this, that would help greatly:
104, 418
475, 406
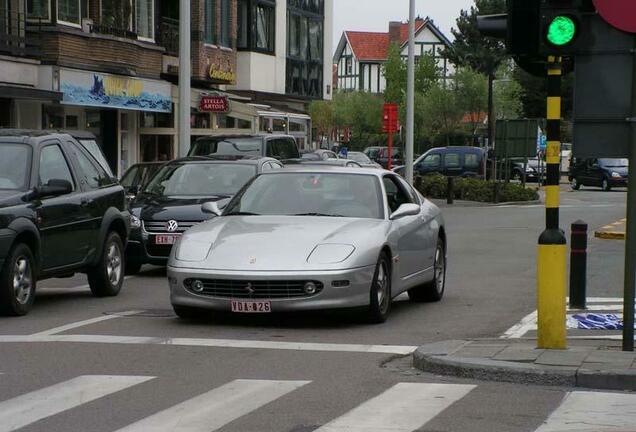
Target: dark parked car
138, 176
535, 169
275, 146
450, 161
60, 213
172, 201
603, 173
381, 156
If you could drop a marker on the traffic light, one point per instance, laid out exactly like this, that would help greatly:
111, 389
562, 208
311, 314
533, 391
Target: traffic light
560, 27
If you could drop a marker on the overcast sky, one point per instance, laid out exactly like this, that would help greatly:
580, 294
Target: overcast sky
374, 15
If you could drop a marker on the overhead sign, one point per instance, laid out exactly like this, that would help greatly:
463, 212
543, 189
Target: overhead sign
114, 91
618, 13
218, 104
390, 123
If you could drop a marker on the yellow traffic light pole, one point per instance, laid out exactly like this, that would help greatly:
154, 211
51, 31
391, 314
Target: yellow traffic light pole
552, 250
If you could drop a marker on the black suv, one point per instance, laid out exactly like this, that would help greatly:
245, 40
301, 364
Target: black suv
280, 147
173, 201
60, 213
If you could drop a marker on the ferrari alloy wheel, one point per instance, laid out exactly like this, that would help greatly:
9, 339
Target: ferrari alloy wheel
380, 295
433, 291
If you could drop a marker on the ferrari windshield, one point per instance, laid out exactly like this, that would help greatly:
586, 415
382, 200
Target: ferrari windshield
310, 194
15, 163
200, 179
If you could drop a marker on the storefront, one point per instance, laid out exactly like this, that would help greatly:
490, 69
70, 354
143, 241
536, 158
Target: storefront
111, 107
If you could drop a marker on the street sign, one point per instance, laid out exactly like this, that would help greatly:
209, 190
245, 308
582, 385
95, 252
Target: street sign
618, 13
218, 104
390, 123
517, 138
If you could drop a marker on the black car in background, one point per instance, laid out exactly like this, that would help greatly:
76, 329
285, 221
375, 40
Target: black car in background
380, 155
138, 176
450, 161
275, 146
603, 173
61, 213
172, 201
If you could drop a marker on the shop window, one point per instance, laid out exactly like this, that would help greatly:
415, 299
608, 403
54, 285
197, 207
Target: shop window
297, 126
156, 120
209, 32
199, 120
145, 21
279, 125
116, 14
155, 148
69, 11
226, 22
52, 117
39, 9
224, 121
72, 122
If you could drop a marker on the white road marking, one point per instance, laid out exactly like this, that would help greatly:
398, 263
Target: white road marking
528, 323
404, 407
83, 323
214, 409
587, 412
37, 405
216, 343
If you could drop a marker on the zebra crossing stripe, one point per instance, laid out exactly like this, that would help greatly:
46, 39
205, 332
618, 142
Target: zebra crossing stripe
404, 407
593, 411
216, 408
37, 405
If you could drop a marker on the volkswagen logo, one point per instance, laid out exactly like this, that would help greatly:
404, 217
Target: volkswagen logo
172, 225
249, 288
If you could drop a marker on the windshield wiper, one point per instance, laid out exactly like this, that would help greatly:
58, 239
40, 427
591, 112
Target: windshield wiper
319, 214
239, 213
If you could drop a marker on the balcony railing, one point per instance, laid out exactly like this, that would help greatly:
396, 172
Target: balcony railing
112, 31
168, 36
14, 38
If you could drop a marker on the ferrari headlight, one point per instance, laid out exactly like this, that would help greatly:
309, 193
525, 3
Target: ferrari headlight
192, 250
330, 253
616, 175
135, 222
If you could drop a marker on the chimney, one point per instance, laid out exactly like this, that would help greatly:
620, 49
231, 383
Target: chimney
395, 32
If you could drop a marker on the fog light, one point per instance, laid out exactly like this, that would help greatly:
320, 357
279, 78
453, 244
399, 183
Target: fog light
310, 288
197, 286
340, 283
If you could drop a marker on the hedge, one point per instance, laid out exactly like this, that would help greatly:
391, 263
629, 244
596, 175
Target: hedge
473, 189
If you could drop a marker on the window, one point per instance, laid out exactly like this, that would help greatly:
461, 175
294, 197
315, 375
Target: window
265, 27
432, 161
294, 28
243, 24
116, 14
156, 120
471, 160
39, 9
257, 25
68, 11
282, 149
226, 21
209, 32
315, 41
145, 22
53, 165
15, 165
199, 120
348, 66
451, 160
94, 177
305, 49
395, 194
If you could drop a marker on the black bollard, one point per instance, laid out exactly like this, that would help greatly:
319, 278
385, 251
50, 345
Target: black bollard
450, 190
578, 265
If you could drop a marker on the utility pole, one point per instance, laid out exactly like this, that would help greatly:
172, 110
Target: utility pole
184, 77
410, 97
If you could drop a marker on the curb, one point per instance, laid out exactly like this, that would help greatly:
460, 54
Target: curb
502, 371
610, 235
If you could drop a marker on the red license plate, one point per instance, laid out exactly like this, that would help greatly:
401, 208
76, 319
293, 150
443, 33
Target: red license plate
166, 239
251, 306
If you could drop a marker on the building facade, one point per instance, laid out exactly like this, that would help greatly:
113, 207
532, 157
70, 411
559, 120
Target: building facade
111, 67
360, 55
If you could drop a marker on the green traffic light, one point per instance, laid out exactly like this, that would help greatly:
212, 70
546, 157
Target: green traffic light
561, 31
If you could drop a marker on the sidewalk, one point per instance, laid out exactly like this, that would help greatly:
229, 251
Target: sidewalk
598, 364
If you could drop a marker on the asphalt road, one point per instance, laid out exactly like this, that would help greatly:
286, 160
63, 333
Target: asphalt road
82, 364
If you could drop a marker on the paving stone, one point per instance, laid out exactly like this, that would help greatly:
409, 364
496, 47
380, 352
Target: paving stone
562, 358
483, 351
605, 366
521, 354
443, 347
614, 357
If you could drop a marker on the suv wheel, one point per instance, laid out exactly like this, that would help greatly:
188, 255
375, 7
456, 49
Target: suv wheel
107, 277
17, 282
606, 185
575, 183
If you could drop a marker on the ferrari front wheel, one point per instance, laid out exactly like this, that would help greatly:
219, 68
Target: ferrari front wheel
380, 293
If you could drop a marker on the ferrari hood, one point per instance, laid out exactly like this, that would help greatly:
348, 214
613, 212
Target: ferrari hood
278, 243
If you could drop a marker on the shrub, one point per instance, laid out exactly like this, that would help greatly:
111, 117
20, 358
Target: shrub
473, 189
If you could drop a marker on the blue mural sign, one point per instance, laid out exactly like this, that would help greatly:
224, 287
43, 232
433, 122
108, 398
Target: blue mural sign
114, 91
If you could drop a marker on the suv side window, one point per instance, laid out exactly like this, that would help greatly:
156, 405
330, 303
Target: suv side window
94, 176
53, 165
282, 148
395, 193
471, 160
432, 161
451, 160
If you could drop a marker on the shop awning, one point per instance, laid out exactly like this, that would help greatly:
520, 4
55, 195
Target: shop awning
17, 92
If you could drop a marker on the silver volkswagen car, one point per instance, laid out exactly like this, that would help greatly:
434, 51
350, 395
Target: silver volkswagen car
312, 237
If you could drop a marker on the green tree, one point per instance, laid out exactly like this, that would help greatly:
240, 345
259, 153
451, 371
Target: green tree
322, 118
427, 73
482, 54
442, 112
394, 70
472, 96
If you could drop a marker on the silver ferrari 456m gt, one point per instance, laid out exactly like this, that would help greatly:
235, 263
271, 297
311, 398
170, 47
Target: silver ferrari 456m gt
312, 237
